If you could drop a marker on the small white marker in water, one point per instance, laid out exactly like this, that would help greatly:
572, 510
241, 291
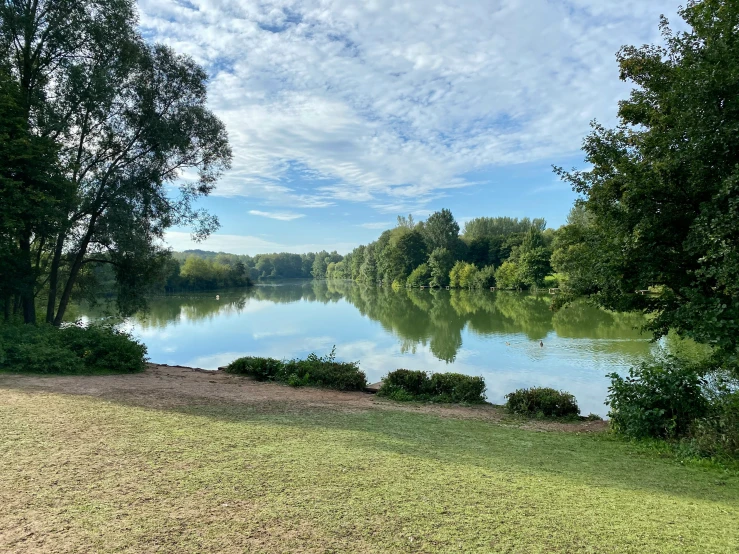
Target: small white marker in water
218, 296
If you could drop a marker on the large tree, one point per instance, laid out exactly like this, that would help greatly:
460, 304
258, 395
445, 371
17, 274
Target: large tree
129, 118
441, 230
663, 193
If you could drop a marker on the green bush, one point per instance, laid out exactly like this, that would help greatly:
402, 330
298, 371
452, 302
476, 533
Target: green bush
414, 383
262, 369
69, 350
105, 349
455, 387
315, 371
660, 399
542, 402
324, 371
716, 435
404, 384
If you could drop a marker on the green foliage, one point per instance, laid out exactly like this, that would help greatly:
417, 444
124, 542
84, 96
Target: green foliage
663, 193
441, 231
199, 274
404, 384
70, 350
716, 435
323, 371
262, 369
130, 118
485, 278
659, 399
542, 402
421, 276
507, 276
463, 276
440, 263
487, 227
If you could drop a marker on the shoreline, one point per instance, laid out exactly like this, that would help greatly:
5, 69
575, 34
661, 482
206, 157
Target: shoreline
163, 386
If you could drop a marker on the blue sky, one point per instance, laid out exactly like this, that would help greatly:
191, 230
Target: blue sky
343, 114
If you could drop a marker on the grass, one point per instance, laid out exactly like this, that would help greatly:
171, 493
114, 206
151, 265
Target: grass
82, 474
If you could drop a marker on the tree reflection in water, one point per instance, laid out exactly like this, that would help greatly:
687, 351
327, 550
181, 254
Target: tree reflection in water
433, 318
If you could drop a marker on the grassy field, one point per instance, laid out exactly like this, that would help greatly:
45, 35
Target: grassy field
88, 474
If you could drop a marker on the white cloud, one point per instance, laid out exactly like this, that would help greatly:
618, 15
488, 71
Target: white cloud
393, 104
377, 225
282, 216
247, 244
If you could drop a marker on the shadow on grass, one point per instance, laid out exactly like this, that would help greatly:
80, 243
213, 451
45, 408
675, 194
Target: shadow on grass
594, 460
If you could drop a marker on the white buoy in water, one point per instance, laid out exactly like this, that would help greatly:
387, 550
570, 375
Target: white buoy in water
218, 296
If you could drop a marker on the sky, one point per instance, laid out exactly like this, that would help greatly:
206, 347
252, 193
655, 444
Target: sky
343, 114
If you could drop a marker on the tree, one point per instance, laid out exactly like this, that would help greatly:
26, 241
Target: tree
488, 227
533, 259
420, 276
463, 275
441, 231
440, 263
405, 251
663, 192
34, 193
507, 276
368, 270
129, 118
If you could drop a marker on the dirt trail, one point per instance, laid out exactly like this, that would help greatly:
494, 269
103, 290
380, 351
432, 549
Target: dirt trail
162, 386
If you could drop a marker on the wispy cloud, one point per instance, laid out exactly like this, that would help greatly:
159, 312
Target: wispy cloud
248, 244
383, 103
377, 225
282, 216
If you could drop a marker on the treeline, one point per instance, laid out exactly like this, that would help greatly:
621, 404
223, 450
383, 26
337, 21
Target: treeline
505, 252
283, 265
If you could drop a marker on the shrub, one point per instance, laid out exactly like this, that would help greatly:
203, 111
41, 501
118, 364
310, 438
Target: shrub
414, 383
262, 369
455, 387
70, 350
325, 372
660, 399
542, 402
717, 434
105, 348
313, 371
404, 384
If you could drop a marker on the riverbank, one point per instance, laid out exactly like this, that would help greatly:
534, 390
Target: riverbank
174, 459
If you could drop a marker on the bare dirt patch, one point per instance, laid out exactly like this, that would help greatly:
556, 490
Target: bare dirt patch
163, 386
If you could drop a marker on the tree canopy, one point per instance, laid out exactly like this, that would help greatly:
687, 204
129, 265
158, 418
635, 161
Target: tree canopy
126, 118
662, 197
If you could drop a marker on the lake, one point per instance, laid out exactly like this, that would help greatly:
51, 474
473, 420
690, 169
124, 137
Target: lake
492, 334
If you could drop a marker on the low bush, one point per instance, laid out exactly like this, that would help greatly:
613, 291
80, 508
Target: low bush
324, 371
660, 399
262, 369
716, 435
73, 349
404, 384
317, 371
105, 349
542, 402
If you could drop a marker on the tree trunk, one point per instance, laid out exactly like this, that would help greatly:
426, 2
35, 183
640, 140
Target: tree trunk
73, 272
54, 278
28, 298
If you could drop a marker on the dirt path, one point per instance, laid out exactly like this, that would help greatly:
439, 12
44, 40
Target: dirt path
162, 386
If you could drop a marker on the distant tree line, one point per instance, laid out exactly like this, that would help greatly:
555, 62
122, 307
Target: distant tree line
491, 251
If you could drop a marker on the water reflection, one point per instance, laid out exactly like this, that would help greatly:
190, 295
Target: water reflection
495, 335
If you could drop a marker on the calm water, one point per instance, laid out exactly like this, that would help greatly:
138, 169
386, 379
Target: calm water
495, 335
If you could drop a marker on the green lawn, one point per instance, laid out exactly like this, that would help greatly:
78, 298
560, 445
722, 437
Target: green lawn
81, 474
